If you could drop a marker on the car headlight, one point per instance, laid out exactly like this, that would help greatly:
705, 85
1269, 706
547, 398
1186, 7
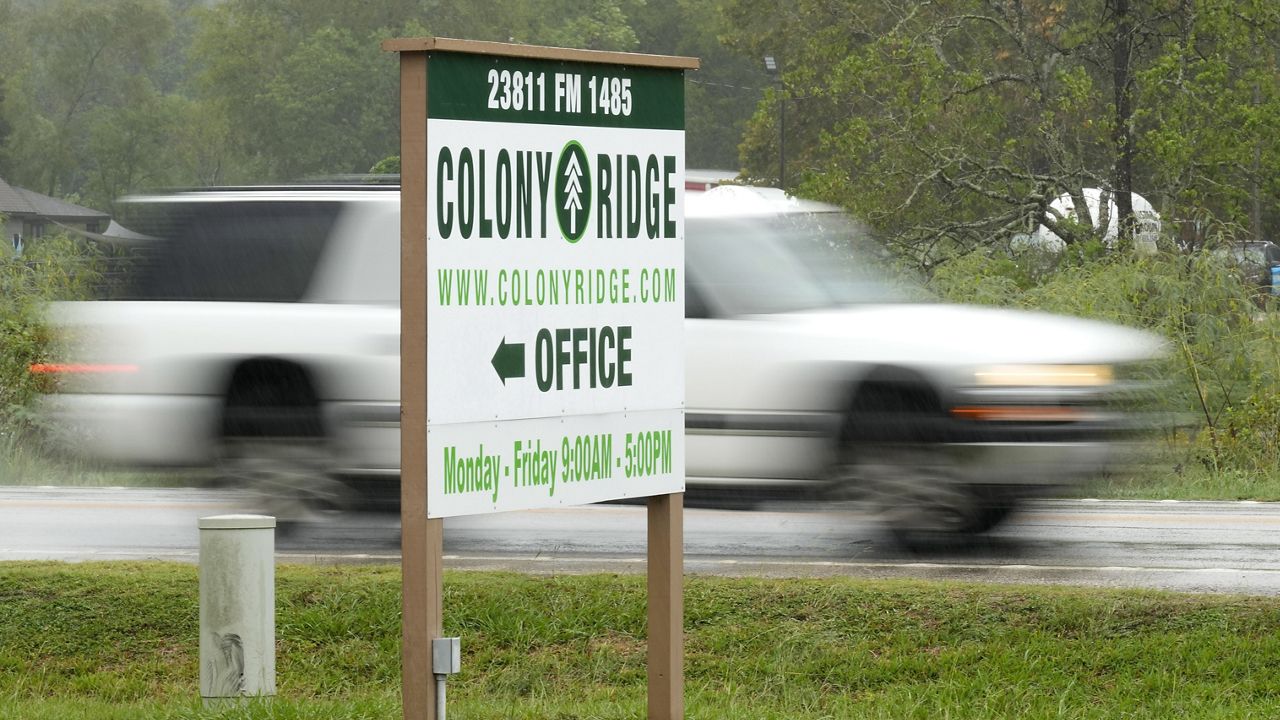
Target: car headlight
1045, 376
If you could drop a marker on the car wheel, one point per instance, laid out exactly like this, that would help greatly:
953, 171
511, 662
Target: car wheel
992, 511
888, 457
289, 478
912, 487
274, 447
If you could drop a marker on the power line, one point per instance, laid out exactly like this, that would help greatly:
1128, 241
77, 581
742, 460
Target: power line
724, 85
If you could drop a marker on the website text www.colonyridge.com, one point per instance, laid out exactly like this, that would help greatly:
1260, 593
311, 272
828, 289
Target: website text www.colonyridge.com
557, 286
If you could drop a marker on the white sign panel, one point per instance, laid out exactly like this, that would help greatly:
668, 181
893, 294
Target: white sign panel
555, 311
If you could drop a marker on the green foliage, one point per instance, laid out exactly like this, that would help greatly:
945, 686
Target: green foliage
723, 93
85, 66
950, 126
56, 267
100, 98
119, 640
297, 100
945, 126
1222, 370
389, 165
981, 278
1211, 113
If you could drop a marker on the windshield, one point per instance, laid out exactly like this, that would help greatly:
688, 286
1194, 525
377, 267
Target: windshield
749, 265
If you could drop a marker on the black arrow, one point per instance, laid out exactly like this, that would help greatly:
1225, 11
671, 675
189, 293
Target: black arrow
508, 360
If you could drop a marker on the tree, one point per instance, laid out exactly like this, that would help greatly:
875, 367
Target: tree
101, 97
943, 125
127, 146
590, 24
954, 125
308, 91
82, 55
1210, 111
11, 52
721, 95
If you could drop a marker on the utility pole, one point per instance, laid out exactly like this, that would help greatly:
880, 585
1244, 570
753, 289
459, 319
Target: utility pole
771, 66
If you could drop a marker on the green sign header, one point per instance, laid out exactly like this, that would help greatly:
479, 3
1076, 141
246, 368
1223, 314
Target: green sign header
463, 86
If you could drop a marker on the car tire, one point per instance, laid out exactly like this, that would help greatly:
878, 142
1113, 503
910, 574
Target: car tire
288, 478
912, 486
273, 448
889, 457
993, 509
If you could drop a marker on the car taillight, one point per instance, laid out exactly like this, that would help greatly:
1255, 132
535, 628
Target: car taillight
1007, 413
80, 368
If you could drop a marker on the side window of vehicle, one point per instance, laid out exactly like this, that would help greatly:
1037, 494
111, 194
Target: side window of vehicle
1271, 253
232, 251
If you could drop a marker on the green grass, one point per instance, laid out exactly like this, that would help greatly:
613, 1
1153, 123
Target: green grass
1161, 471
24, 463
1176, 482
113, 640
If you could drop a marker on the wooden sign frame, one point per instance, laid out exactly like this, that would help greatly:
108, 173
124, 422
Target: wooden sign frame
422, 538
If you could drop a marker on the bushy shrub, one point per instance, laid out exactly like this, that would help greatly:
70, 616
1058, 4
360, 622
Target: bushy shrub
59, 267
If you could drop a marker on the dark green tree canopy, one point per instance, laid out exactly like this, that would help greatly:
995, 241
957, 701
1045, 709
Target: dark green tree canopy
102, 97
947, 125
954, 125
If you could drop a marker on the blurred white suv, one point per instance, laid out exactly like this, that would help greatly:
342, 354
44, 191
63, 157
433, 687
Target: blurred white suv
260, 336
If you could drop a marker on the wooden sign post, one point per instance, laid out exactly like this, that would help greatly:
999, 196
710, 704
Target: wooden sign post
542, 287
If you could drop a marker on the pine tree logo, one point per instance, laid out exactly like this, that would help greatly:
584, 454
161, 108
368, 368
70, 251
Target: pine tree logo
573, 191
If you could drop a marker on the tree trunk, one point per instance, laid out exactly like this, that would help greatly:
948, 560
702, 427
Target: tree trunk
1255, 186
1122, 135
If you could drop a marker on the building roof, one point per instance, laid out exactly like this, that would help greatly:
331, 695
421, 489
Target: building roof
20, 201
13, 202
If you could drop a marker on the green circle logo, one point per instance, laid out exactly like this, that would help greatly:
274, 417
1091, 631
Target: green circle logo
573, 191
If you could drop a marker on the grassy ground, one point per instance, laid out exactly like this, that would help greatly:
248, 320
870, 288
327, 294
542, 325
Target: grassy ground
120, 641
21, 463
1184, 483
1159, 471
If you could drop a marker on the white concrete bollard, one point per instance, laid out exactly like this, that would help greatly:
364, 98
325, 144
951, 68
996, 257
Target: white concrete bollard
237, 607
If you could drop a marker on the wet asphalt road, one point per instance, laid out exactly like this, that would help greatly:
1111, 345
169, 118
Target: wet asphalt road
1188, 546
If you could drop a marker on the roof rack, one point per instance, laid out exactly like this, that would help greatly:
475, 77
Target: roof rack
268, 188
371, 182
354, 179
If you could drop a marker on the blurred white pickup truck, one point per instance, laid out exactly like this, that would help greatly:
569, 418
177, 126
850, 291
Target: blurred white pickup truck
259, 336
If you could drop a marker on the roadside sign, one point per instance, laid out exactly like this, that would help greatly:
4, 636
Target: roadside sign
542, 283
555, 282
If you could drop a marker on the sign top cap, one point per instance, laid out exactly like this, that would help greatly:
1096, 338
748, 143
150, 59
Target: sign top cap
481, 47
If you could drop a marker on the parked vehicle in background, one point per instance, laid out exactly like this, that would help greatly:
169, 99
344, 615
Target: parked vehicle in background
1063, 208
261, 339
697, 180
1255, 260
